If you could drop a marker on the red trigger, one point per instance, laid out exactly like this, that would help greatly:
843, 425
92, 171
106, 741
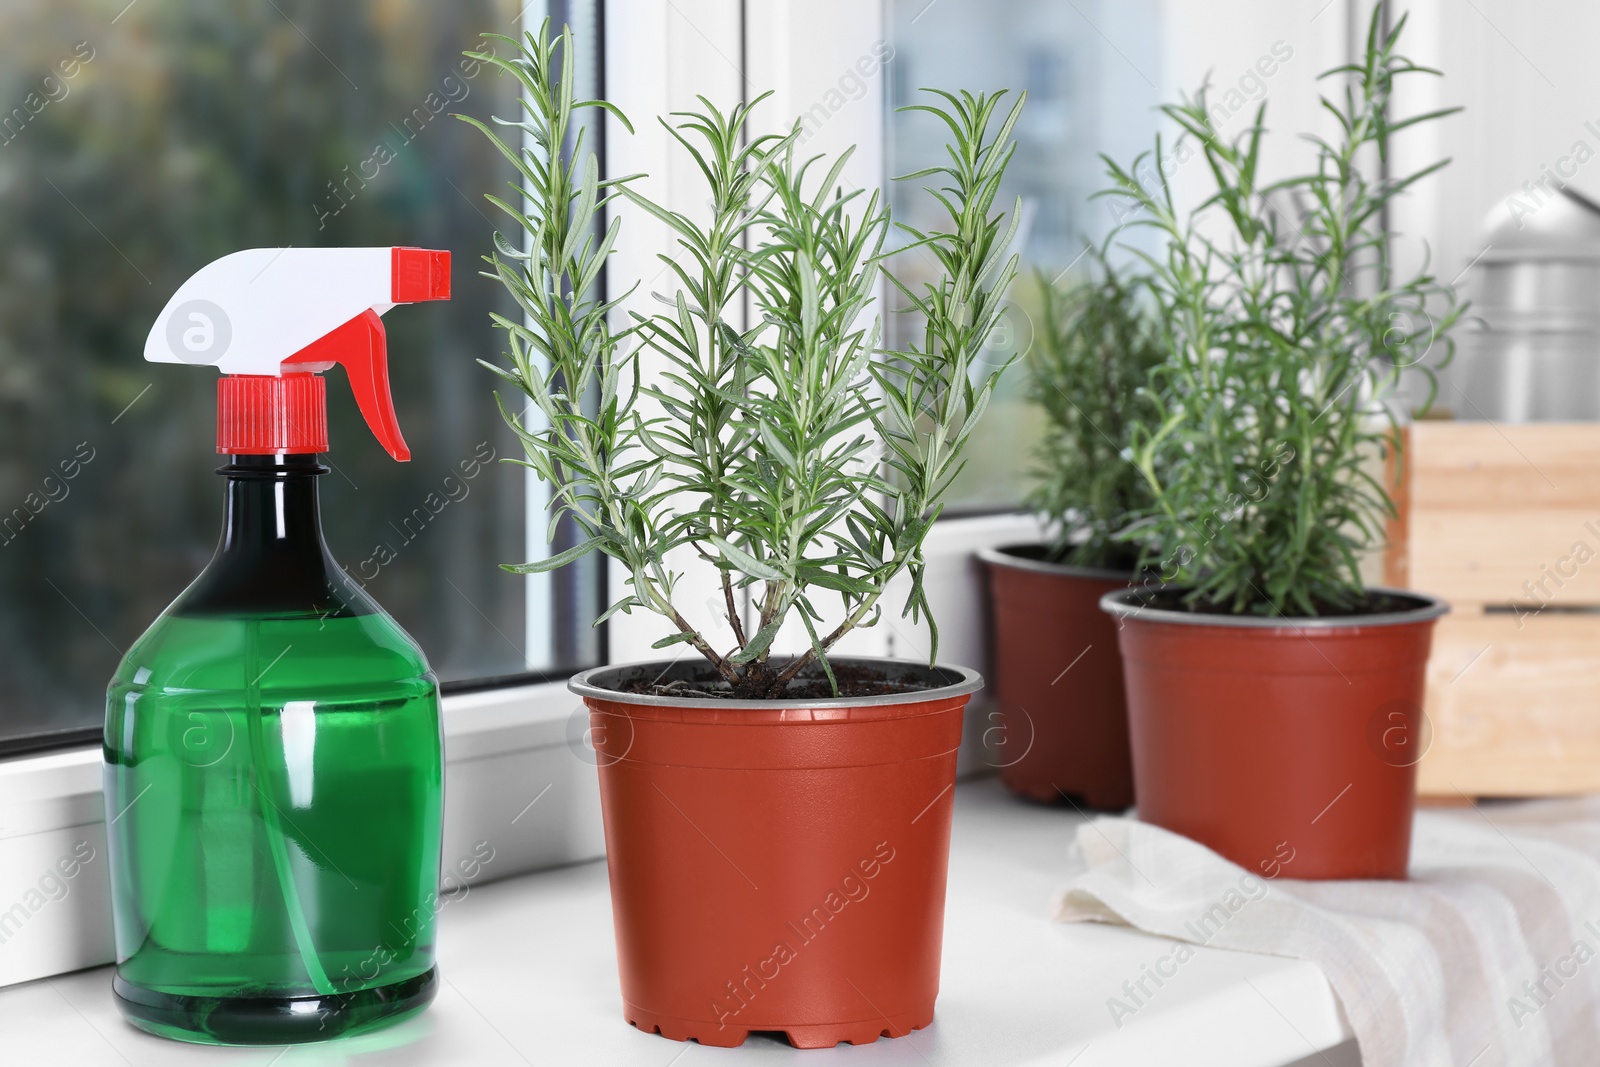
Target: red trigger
359, 346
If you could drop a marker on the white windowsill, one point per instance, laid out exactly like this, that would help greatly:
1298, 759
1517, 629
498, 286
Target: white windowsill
530, 976
511, 779
516, 777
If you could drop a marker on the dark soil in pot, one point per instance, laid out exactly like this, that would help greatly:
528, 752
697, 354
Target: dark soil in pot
1061, 728
1372, 602
854, 678
1287, 745
778, 865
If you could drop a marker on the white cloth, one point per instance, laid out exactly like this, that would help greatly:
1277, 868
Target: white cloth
1489, 955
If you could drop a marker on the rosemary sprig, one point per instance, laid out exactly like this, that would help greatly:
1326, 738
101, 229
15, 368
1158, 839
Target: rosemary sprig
758, 447
1288, 333
1095, 344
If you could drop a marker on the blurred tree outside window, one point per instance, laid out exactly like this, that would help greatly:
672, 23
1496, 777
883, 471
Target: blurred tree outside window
139, 143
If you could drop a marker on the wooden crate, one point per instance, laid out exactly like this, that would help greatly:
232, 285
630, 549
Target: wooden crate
1504, 522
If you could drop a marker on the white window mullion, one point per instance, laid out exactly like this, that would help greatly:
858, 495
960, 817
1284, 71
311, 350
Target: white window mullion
827, 64
539, 591
659, 56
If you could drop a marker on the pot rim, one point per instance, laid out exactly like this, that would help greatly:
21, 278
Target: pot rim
1121, 603
998, 556
964, 681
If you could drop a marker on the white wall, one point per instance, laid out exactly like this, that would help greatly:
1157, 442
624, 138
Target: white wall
1526, 73
1233, 42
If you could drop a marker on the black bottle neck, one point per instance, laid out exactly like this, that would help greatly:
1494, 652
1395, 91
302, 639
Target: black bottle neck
272, 559
272, 512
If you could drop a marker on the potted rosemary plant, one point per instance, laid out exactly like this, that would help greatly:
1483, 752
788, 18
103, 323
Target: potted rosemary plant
1054, 663
777, 826
1274, 701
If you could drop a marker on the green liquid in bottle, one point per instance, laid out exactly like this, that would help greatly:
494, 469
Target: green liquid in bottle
274, 796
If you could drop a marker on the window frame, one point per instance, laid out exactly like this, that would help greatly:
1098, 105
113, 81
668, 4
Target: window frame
542, 642
517, 774
502, 735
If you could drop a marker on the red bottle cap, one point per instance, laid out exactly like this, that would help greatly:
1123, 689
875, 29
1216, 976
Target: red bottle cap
264, 415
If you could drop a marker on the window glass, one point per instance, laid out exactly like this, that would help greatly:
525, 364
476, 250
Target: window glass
136, 147
1090, 69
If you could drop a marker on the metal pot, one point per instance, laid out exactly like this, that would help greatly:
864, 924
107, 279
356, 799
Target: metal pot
1536, 355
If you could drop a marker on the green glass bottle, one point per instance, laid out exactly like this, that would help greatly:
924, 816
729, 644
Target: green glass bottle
273, 791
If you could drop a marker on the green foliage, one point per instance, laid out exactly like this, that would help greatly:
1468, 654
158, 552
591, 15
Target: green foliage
758, 447
1287, 335
1093, 351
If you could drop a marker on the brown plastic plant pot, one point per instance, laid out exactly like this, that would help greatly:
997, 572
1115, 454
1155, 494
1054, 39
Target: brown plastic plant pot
1287, 746
1061, 727
778, 865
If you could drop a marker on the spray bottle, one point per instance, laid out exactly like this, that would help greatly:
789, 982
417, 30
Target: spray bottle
273, 776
